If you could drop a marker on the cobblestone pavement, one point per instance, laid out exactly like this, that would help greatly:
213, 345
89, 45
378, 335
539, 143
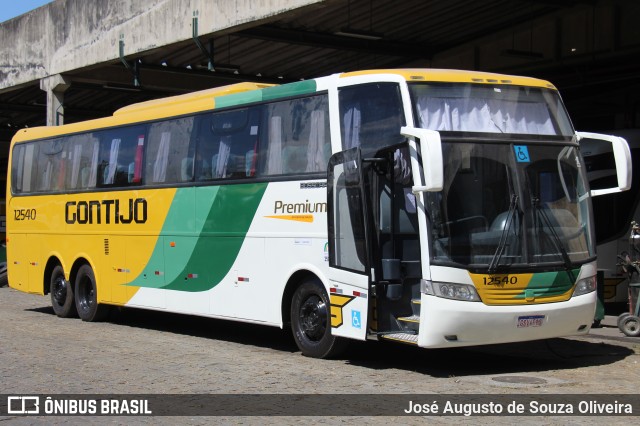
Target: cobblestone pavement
158, 353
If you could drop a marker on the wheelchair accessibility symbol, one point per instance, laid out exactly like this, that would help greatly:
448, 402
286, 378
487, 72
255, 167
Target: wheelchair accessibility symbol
522, 154
355, 319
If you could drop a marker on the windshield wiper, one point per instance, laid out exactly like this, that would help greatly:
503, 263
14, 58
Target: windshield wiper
557, 242
502, 244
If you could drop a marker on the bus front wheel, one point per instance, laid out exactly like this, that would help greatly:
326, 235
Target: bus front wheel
61, 293
87, 296
311, 322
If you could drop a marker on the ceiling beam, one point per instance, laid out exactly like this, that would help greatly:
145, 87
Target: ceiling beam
13, 107
338, 42
162, 79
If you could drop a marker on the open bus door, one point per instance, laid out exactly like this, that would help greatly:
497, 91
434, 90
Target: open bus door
375, 239
349, 246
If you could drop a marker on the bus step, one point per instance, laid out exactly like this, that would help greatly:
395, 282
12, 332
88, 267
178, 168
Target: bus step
409, 324
411, 339
413, 319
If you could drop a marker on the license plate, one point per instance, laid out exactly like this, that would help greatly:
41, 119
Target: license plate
530, 321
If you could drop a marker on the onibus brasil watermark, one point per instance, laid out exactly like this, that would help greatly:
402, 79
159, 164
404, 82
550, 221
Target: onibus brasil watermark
34, 405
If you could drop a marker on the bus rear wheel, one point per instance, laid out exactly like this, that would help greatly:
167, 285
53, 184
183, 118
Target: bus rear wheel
311, 322
61, 293
87, 296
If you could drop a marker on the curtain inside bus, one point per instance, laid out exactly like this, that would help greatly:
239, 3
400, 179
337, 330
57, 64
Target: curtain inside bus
490, 109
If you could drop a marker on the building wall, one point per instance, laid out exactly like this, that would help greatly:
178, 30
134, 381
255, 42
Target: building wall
71, 34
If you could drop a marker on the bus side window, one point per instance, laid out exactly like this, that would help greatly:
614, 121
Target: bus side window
83, 161
121, 156
371, 116
204, 148
168, 151
244, 147
297, 138
110, 164
52, 165
24, 168
227, 147
17, 169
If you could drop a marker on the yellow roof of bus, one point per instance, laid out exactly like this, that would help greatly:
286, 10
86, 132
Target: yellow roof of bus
456, 76
158, 108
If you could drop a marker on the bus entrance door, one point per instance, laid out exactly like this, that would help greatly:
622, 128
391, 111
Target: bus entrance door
374, 246
349, 247
395, 242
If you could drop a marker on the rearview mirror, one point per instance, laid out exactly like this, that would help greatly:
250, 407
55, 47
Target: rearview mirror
622, 156
431, 152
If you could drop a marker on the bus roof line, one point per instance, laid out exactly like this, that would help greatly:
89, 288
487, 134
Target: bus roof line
456, 76
250, 92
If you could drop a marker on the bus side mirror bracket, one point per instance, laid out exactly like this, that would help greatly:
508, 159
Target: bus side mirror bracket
431, 152
622, 156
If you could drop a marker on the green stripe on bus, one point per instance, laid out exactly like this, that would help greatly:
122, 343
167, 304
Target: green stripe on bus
267, 94
286, 90
546, 284
208, 255
238, 99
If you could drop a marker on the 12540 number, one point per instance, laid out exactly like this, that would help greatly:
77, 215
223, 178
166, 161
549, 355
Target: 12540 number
25, 214
500, 280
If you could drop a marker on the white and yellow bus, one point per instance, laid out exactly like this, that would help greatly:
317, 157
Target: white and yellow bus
436, 208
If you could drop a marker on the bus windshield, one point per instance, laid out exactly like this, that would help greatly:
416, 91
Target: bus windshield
507, 204
490, 109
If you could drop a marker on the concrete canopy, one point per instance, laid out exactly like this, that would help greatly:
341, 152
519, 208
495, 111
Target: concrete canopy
586, 48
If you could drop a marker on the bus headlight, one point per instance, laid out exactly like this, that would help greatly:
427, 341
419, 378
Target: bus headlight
584, 286
464, 292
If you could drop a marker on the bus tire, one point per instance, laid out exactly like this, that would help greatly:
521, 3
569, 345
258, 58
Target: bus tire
311, 321
61, 292
87, 296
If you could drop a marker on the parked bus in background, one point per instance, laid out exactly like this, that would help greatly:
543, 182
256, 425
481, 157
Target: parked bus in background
436, 208
613, 214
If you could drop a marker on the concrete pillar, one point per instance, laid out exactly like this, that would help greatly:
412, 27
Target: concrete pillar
55, 86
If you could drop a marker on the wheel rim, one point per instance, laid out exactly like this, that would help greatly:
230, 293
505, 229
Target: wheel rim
313, 318
86, 293
60, 290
